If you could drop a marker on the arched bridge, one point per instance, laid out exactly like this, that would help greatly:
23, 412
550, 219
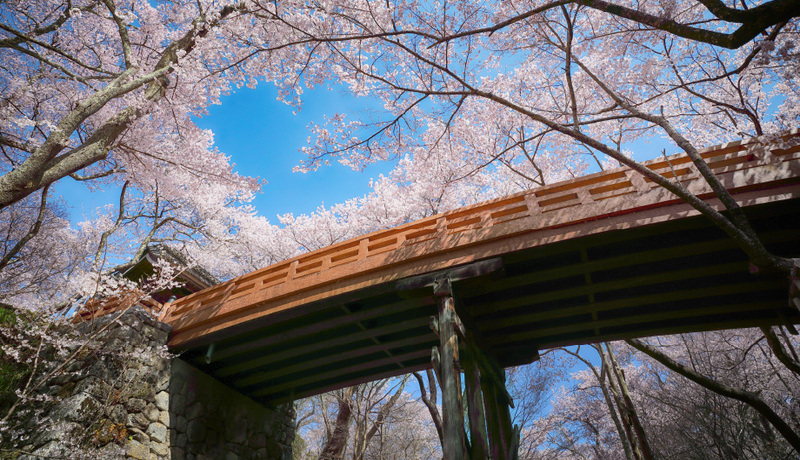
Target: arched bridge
601, 257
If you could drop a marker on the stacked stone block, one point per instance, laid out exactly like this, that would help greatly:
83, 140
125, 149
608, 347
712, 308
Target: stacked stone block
125, 397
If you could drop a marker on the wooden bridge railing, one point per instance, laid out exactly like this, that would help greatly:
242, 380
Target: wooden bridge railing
97, 307
555, 206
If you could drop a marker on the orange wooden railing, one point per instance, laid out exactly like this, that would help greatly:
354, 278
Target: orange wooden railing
294, 274
97, 307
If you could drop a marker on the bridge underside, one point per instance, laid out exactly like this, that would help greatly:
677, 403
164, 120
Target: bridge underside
675, 276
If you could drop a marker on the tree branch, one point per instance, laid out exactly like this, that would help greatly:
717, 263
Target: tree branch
777, 348
123, 32
754, 21
44, 166
431, 405
746, 397
106, 234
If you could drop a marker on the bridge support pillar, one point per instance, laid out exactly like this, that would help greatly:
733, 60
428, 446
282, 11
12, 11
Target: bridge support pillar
487, 433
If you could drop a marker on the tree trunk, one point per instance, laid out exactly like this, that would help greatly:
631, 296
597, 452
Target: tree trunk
335, 444
602, 380
624, 411
647, 452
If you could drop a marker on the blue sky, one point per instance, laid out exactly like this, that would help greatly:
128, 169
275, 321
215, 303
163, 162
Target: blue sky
262, 136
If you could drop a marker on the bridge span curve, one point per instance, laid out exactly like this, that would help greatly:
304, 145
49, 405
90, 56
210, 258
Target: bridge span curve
606, 256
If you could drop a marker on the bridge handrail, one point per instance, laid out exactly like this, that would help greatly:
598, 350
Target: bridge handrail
594, 188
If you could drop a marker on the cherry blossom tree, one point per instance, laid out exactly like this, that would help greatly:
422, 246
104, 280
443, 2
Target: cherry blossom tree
78, 76
492, 97
588, 417
549, 88
481, 99
37, 249
85, 97
373, 420
738, 366
722, 404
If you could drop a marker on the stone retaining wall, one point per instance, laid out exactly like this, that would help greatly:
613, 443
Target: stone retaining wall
125, 397
211, 421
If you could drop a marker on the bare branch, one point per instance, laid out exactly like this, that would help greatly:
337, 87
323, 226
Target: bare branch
777, 348
101, 246
431, 405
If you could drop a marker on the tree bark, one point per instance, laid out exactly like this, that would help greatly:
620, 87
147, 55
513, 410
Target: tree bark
602, 378
647, 452
337, 441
